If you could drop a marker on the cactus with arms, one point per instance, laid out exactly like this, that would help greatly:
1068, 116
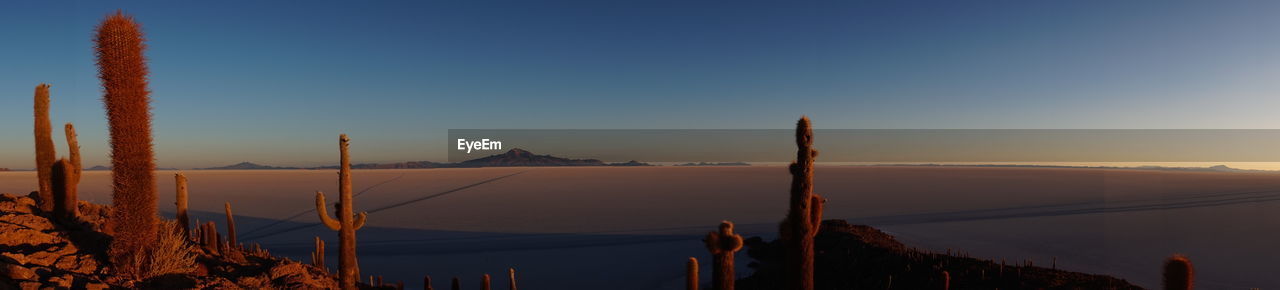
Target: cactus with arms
723, 244
346, 224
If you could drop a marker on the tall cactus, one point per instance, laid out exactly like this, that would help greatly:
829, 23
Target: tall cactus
123, 71
231, 227
723, 244
805, 214
61, 175
67, 204
691, 274
46, 155
346, 224
181, 202
1178, 273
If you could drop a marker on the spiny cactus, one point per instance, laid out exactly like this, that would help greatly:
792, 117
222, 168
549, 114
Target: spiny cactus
691, 274
317, 257
181, 202
45, 152
805, 214
1178, 273
346, 224
511, 278
426, 283
231, 227
484, 282
67, 199
123, 71
209, 237
723, 244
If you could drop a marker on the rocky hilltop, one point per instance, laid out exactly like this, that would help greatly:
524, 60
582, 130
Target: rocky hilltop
41, 252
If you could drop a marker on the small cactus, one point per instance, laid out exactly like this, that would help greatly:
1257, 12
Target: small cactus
123, 71
691, 274
946, 280
723, 244
457, 284
64, 201
231, 226
181, 202
511, 278
46, 155
484, 282
1178, 273
426, 283
317, 257
805, 214
346, 224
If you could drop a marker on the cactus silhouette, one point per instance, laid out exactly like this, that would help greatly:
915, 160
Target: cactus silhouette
426, 283
61, 173
484, 282
346, 224
946, 280
317, 257
723, 244
123, 71
181, 202
231, 227
457, 284
691, 274
511, 278
65, 199
46, 155
1178, 273
805, 214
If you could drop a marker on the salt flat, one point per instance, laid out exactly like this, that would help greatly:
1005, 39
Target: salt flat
639, 223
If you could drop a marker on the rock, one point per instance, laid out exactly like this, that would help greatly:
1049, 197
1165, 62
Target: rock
96, 286
63, 281
16, 272
29, 285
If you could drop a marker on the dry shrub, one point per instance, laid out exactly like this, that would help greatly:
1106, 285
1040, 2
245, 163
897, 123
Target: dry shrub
172, 253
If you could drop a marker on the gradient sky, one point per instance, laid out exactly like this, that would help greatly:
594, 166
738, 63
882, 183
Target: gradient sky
275, 82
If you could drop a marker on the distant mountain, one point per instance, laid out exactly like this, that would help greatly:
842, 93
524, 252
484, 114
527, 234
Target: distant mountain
715, 164
630, 163
98, 167
245, 166
400, 165
520, 157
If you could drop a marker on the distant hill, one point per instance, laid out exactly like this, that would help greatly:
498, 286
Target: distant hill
98, 167
245, 166
520, 157
715, 164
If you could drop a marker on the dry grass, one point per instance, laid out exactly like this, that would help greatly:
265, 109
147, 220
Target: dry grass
172, 253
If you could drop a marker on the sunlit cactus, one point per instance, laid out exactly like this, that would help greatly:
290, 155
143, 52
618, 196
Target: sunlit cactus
66, 203
691, 274
484, 282
723, 244
1178, 273
231, 227
45, 152
317, 257
511, 278
181, 202
946, 280
346, 224
123, 71
805, 214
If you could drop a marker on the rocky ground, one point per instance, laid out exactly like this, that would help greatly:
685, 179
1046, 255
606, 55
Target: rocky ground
41, 252
862, 257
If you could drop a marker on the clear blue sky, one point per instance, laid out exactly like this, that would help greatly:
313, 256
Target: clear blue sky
276, 81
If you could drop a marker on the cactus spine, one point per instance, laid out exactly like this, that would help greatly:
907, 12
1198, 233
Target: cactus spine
1178, 273
511, 277
231, 227
181, 202
722, 245
123, 71
45, 152
691, 274
317, 257
66, 200
346, 224
805, 214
